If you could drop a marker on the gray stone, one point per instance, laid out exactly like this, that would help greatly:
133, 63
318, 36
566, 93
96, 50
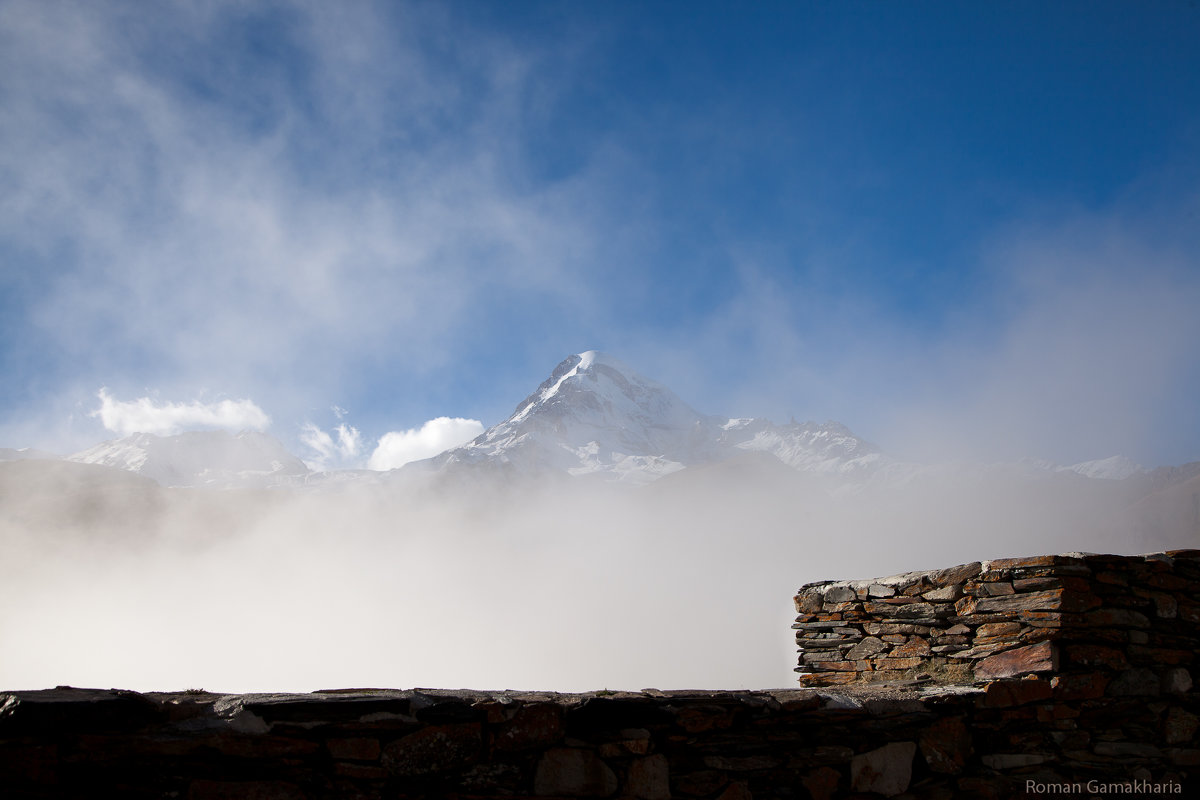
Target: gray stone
1178, 681
1135, 683
575, 773
945, 593
880, 590
865, 649
840, 594
886, 771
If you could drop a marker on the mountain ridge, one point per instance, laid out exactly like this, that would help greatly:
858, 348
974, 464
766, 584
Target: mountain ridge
593, 417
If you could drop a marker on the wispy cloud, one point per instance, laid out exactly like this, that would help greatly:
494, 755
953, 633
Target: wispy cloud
398, 448
338, 449
163, 185
146, 415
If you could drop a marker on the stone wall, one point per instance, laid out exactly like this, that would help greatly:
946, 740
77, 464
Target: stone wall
1118, 716
1096, 622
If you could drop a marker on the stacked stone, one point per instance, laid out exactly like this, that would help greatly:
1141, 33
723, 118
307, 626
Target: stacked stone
1005, 618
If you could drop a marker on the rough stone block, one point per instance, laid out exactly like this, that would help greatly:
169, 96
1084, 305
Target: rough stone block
866, 648
954, 575
1135, 683
1040, 657
946, 745
573, 772
822, 783
886, 771
437, 748
1009, 693
649, 778
839, 594
1177, 681
1049, 600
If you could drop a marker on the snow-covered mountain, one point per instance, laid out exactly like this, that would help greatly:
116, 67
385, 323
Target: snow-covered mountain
595, 416
216, 459
1114, 468
25, 454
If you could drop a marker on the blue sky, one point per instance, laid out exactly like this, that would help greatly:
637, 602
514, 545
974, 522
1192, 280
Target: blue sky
963, 230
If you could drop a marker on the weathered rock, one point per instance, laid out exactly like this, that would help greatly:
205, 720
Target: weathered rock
574, 773
1180, 726
1009, 693
866, 648
822, 783
839, 594
1135, 682
533, 725
1177, 681
946, 745
1040, 657
434, 749
886, 770
649, 778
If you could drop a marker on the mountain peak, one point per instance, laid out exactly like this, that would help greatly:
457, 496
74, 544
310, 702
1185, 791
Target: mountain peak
594, 415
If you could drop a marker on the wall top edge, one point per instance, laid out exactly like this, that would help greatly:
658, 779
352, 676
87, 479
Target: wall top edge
965, 571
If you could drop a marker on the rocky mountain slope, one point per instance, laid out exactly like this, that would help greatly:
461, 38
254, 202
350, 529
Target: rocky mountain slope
214, 459
596, 417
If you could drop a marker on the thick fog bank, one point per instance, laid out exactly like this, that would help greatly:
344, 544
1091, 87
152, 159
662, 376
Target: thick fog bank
687, 583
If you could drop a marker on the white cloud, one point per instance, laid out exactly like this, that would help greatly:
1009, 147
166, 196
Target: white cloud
144, 415
332, 450
435, 436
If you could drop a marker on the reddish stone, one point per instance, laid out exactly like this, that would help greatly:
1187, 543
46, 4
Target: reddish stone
966, 607
736, 791
1007, 693
1049, 600
822, 783
700, 718
649, 778
534, 725
898, 663
1040, 657
915, 646
946, 745
1095, 655
808, 603
1079, 687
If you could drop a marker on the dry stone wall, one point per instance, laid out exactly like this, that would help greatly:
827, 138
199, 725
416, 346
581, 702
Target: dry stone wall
1089, 620
1065, 676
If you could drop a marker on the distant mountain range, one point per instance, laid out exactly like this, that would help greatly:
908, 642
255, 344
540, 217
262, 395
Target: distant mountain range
594, 418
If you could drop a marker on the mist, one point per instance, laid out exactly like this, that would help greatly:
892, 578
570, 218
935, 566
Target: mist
481, 583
